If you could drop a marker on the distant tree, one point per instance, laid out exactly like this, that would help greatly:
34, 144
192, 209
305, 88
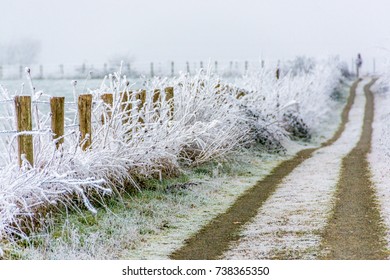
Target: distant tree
115, 59
24, 51
114, 62
300, 65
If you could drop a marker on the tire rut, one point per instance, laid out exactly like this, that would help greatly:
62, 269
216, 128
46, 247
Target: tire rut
215, 237
355, 230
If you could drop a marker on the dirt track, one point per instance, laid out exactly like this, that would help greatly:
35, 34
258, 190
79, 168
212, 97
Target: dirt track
214, 238
355, 230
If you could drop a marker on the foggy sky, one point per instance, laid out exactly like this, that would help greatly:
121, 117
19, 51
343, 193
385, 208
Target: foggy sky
85, 30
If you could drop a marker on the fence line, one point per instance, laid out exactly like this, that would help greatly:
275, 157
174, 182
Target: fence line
85, 103
23, 115
130, 69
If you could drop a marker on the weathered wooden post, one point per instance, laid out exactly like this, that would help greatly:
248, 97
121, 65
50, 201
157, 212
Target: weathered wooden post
57, 108
155, 102
128, 69
83, 68
41, 71
126, 107
156, 97
172, 69
188, 67
142, 97
170, 100
151, 69
24, 123
246, 65
62, 74
201, 65
85, 115
277, 73
108, 100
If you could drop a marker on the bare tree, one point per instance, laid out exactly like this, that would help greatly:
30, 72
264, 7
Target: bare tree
24, 51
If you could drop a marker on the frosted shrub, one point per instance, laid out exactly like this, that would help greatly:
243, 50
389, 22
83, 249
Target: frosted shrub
293, 105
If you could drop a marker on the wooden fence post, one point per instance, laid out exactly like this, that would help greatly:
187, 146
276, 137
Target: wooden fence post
62, 74
151, 69
170, 100
24, 123
172, 69
57, 108
41, 71
156, 97
108, 100
126, 107
141, 96
128, 66
85, 114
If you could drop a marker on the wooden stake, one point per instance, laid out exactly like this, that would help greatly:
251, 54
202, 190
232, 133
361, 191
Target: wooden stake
141, 96
85, 114
125, 106
170, 100
156, 97
151, 69
24, 123
57, 108
108, 100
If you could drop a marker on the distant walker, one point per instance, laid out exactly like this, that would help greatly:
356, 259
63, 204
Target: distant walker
359, 63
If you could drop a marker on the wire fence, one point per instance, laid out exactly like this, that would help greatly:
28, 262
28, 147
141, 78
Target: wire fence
130, 69
87, 113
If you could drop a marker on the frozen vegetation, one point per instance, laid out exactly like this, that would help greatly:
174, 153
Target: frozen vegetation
379, 157
210, 119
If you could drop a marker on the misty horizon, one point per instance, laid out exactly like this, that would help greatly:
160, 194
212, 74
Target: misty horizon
145, 31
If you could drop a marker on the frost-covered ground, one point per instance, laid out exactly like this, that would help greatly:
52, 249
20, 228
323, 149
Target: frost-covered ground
153, 224
290, 223
379, 158
210, 120
170, 219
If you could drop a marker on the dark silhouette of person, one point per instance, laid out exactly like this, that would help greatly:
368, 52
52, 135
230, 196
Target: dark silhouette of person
359, 62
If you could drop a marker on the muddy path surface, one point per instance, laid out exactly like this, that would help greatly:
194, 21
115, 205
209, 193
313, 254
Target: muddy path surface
355, 231
215, 237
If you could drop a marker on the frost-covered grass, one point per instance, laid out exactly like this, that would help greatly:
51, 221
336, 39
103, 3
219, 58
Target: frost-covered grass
379, 158
209, 121
152, 223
